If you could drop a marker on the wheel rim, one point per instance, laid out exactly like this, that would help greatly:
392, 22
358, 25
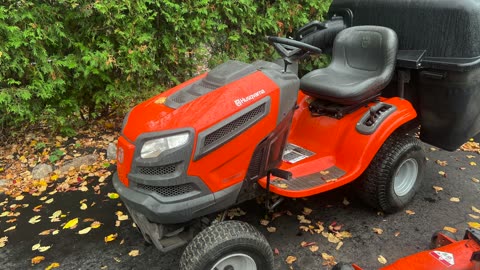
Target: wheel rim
238, 261
405, 177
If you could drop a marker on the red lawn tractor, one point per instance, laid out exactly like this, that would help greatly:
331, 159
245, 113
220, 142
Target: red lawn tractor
248, 129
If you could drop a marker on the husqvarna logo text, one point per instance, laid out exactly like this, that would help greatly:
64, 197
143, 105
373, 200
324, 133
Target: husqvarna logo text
239, 102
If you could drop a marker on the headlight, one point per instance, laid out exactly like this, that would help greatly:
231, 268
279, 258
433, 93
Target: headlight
154, 148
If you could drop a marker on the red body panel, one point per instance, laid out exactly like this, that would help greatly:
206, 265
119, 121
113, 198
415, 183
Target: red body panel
337, 143
228, 164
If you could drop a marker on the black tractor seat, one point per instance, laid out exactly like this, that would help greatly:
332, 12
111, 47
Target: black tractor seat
363, 62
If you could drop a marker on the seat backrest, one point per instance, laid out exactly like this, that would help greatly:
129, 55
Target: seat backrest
366, 50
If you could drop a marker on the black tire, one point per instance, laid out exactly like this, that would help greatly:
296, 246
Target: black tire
376, 186
224, 239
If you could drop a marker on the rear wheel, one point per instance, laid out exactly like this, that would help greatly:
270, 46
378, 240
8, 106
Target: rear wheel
394, 175
229, 245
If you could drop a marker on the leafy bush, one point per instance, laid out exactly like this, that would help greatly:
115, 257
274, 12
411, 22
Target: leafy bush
65, 60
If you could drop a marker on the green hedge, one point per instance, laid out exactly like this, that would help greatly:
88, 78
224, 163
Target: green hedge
65, 60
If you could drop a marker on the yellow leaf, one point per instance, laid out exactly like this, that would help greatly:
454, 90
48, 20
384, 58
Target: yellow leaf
382, 259
49, 201
3, 241
54, 177
4, 214
71, 223
134, 253
476, 210
473, 163
410, 212
377, 230
113, 195
290, 259
271, 229
340, 244
36, 246
332, 238
85, 231
56, 214
475, 180
282, 185
10, 229
122, 217
264, 222
455, 199
442, 163
95, 224
313, 248
474, 225
37, 259
307, 211
43, 249
450, 229
34, 220
110, 237
437, 189
474, 216
83, 206
52, 265
19, 198
55, 232
442, 173
303, 220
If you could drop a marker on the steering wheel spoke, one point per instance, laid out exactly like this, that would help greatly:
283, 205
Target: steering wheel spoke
288, 48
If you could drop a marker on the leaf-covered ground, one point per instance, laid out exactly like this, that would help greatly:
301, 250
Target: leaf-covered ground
73, 218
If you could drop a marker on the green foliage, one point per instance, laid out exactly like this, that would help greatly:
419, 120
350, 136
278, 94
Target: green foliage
66, 60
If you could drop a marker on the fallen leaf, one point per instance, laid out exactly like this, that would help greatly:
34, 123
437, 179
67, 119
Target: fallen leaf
307, 211
345, 201
437, 189
410, 212
83, 206
117, 223
276, 251
113, 195
303, 220
134, 253
37, 259
332, 238
474, 225
470, 156
290, 259
441, 163
442, 173
344, 234
340, 244
396, 234
264, 222
110, 237
19, 198
450, 229
476, 210
95, 224
3, 241
122, 217
71, 224
455, 199
4, 214
55, 232
382, 259
271, 229
36, 246
52, 265
324, 172
474, 216
329, 260
313, 248
43, 249
11, 220
10, 229
56, 214
85, 231
49, 201
37, 208
34, 219
46, 232
282, 185
377, 230
307, 244
475, 180
473, 163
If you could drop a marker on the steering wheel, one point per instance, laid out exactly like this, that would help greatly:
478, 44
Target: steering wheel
289, 47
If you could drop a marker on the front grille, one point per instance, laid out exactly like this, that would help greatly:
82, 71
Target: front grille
232, 127
158, 170
169, 191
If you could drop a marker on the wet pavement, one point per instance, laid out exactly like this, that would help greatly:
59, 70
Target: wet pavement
402, 235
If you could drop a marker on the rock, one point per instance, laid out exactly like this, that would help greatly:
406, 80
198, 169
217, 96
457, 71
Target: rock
112, 151
79, 161
41, 171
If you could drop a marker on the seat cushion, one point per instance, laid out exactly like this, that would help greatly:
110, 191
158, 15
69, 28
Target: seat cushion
362, 64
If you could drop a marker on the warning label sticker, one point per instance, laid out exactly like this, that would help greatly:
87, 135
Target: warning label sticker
444, 257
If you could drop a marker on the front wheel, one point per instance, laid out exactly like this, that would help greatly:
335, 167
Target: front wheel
229, 245
394, 175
